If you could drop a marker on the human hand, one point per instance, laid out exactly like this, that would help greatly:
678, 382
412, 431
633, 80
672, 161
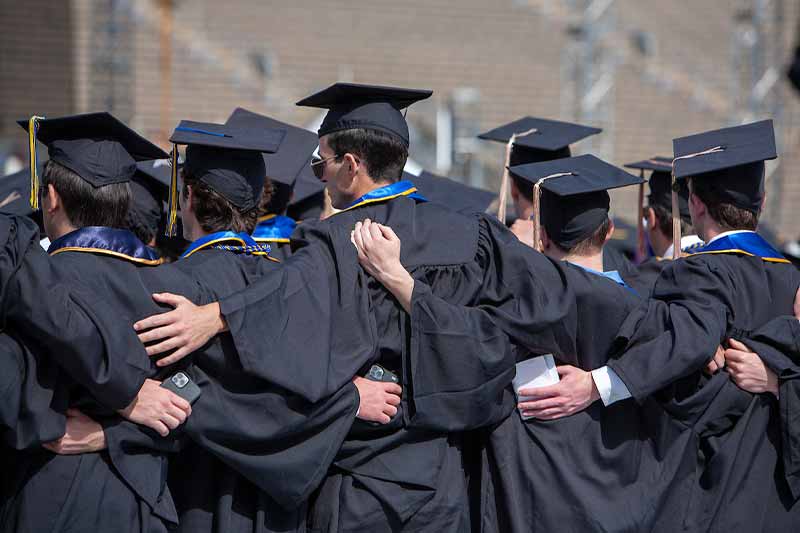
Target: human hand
157, 408
378, 250
184, 329
717, 362
82, 435
748, 370
574, 393
378, 399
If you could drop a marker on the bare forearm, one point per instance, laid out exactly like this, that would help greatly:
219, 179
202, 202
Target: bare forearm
401, 285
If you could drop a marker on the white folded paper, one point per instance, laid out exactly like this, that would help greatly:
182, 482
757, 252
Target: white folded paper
537, 372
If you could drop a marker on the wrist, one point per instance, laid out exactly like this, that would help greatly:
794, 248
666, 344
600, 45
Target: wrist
219, 324
396, 279
773, 385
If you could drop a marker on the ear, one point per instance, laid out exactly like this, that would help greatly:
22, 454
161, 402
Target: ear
544, 238
351, 164
610, 229
697, 204
53, 200
650, 217
188, 199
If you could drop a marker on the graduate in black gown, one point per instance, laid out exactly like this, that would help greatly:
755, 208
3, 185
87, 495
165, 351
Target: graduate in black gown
254, 450
85, 199
595, 470
657, 216
285, 167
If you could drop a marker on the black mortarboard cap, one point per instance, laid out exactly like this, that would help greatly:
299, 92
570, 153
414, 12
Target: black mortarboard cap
550, 139
292, 158
372, 107
574, 199
149, 192
660, 184
456, 196
731, 158
306, 186
227, 158
15, 189
96, 146
309, 208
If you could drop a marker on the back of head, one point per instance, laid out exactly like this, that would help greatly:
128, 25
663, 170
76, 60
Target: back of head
213, 211
85, 204
732, 209
521, 155
383, 154
577, 224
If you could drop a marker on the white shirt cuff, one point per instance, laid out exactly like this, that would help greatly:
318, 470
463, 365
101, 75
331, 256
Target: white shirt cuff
611, 388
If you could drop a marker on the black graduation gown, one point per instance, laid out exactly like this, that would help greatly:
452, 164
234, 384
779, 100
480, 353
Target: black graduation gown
256, 450
592, 471
729, 469
644, 277
402, 476
613, 259
78, 324
32, 404
696, 403
122, 488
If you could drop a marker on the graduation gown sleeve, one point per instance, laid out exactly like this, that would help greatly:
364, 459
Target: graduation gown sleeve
778, 343
310, 313
461, 358
677, 331
77, 328
279, 441
33, 399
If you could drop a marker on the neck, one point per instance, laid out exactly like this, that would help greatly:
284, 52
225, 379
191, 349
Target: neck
524, 210
367, 187
593, 261
60, 229
660, 243
710, 230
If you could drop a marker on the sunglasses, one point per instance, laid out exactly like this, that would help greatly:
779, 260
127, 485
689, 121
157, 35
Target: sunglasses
318, 164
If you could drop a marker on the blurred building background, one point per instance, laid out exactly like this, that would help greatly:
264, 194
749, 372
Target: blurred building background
644, 70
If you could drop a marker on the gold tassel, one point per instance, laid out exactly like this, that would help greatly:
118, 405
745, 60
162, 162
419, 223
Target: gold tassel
504, 185
172, 215
33, 127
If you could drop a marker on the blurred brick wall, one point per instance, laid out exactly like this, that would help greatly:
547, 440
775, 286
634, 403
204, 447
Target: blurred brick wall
510, 50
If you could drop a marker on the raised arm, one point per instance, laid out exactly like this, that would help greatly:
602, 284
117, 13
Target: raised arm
72, 325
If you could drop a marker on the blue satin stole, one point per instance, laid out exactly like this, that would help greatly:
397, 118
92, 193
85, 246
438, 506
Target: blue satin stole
383, 194
119, 243
274, 228
746, 243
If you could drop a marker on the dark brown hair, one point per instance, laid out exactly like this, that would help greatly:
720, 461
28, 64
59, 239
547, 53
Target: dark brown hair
214, 212
728, 216
84, 204
383, 154
591, 243
664, 221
